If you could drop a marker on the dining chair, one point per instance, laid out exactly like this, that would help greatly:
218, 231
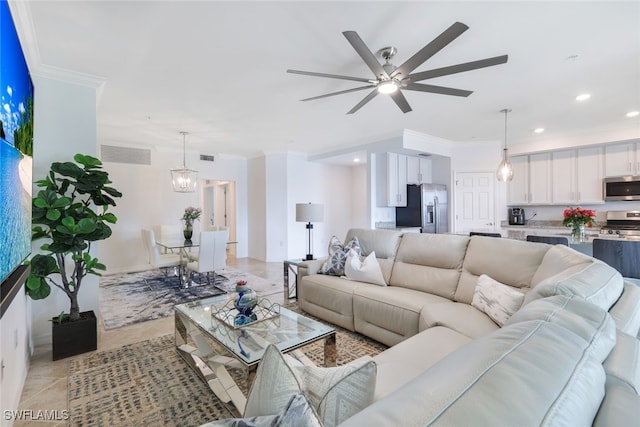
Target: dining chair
212, 254
157, 259
623, 255
552, 240
480, 233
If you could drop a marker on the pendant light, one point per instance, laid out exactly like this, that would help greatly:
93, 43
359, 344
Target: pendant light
184, 180
505, 169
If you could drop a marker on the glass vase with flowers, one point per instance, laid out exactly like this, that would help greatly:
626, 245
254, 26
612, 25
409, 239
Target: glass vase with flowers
190, 215
577, 218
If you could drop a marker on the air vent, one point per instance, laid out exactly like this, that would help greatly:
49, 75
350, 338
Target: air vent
135, 156
206, 157
424, 155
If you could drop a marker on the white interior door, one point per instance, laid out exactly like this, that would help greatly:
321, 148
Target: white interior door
475, 207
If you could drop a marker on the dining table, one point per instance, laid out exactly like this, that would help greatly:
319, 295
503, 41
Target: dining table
183, 247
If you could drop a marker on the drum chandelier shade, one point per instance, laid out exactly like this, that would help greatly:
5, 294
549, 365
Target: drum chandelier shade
184, 180
309, 212
505, 169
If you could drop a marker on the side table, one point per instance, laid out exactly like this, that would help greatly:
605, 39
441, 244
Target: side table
291, 265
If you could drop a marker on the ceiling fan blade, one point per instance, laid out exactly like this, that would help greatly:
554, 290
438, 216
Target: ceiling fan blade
437, 89
446, 37
365, 53
401, 101
330, 76
459, 68
366, 99
337, 93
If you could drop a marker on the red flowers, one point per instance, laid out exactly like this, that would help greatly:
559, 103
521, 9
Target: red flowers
576, 216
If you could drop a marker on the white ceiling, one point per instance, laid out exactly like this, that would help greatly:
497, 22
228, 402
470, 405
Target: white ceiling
217, 70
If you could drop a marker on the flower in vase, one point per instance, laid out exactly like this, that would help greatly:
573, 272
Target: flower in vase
575, 217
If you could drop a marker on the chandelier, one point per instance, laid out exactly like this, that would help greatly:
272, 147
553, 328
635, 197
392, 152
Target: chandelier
184, 180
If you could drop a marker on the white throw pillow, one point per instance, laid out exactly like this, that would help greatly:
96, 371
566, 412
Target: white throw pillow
336, 394
496, 300
364, 270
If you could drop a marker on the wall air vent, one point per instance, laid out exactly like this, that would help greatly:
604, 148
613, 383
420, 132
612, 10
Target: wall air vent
206, 157
424, 154
135, 156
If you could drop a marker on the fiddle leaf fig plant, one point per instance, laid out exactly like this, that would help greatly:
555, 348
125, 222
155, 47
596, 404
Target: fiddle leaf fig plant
70, 212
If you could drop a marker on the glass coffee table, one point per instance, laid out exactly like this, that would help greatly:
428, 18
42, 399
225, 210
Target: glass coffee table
212, 347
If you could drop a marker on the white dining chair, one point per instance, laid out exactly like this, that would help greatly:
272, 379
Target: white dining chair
212, 254
157, 259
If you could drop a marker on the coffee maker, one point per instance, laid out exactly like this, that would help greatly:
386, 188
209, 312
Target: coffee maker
516, 216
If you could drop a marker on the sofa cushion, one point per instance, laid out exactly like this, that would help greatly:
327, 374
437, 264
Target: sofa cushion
406, 360
335, 393
495, 299
623, 363
595, 282
574, 314
365, 270
383, 242
338, 254
512, 262
328, 297
620, 407
557, 259
390, 314
429, 263
626, 311
457, 316
548, 371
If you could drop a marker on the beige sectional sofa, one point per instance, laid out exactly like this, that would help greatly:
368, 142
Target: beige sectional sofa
450, 364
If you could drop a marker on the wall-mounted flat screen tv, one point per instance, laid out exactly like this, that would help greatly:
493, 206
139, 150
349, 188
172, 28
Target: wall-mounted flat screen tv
16, 147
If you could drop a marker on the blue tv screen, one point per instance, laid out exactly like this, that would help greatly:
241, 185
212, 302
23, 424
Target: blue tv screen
16, 148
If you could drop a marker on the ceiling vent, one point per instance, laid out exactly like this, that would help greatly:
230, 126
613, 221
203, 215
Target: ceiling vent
135, 156
206, 157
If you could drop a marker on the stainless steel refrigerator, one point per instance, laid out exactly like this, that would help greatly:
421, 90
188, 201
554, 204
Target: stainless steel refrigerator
427, 207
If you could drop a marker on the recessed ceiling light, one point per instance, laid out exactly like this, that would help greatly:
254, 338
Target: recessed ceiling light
633, 114
538, 130
356, 160
583, 97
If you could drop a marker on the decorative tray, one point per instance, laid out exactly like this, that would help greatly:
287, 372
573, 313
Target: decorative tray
230, 316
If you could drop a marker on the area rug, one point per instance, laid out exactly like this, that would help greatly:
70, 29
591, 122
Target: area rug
138, 297
148, 384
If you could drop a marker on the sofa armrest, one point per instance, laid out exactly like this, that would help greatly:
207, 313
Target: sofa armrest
307, 268
626, 311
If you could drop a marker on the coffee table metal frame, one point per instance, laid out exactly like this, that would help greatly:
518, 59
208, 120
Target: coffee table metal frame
211, 347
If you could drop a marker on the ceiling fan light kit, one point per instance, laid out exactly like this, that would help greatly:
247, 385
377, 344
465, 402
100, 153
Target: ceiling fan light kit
391, 80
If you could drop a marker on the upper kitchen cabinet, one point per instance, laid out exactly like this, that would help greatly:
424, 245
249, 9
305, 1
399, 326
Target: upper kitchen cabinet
589, 175
531, 182
563, 172
418, 170
391, 176
622, 159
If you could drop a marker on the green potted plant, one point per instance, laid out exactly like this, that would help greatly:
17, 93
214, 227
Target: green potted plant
69, 213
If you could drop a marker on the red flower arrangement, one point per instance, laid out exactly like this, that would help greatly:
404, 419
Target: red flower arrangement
576, 216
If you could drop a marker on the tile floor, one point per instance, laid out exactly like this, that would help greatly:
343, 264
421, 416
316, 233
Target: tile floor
46, 384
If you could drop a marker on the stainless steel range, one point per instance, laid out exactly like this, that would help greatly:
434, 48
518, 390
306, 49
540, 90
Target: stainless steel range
625, 224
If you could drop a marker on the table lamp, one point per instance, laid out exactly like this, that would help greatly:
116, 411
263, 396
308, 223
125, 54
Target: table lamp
309, 213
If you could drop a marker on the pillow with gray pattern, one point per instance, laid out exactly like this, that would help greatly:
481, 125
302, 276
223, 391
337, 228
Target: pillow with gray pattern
338, 253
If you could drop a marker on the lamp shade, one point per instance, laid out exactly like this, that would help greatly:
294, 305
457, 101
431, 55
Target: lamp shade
309, 212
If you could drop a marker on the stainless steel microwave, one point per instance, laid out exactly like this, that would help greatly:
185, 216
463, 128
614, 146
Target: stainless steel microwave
622, 188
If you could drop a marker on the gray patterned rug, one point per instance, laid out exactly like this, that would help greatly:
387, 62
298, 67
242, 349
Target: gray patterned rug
148, 383
138, 297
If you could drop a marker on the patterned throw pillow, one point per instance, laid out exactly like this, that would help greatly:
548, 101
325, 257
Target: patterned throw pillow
336, 394
496, 300
338, 253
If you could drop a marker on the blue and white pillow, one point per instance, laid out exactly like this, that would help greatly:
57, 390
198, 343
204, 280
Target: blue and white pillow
338, 253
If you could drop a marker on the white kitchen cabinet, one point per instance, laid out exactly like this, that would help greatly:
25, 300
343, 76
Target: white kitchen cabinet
518, 188
622, 159
540, 178
563, 171
589, 175
391, 177
418, 170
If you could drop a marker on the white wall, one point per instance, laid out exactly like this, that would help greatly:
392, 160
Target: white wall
359, 212
64, 124
148, 201
257, 208
276, 206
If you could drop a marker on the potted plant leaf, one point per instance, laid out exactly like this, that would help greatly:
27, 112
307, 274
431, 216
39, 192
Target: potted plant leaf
70, 212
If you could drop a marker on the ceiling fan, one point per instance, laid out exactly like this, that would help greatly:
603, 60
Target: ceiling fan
390, 79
